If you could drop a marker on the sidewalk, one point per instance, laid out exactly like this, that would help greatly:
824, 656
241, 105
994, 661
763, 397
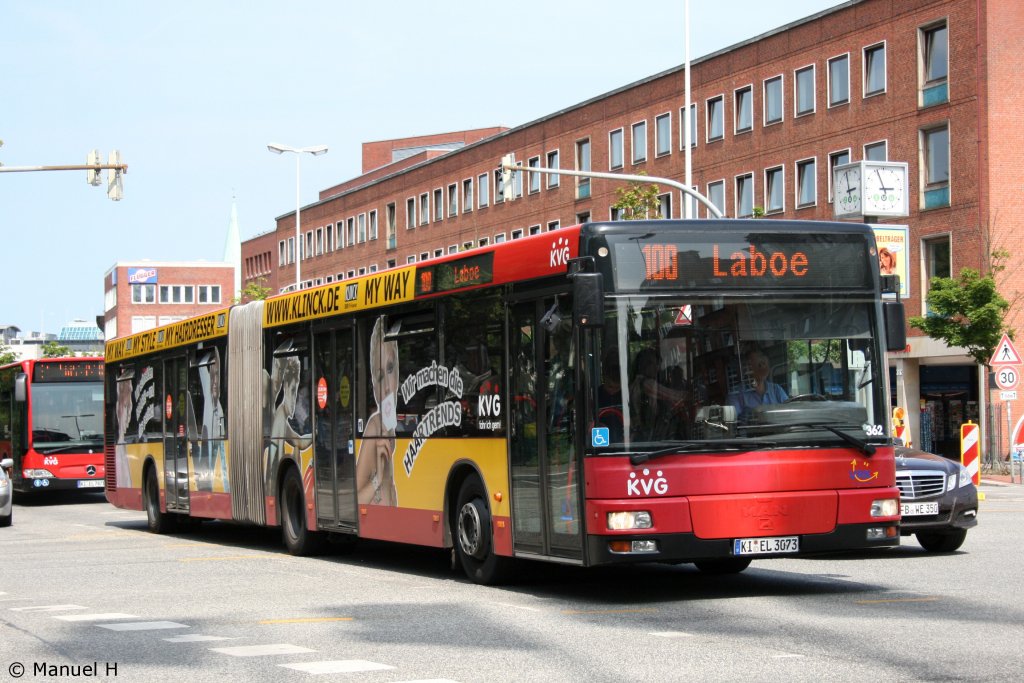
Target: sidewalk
999, 479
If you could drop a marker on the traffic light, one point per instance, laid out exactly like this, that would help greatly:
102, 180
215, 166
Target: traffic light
115, 188
507, 163
92, 175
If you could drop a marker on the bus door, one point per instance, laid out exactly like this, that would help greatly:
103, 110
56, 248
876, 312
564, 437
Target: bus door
544, 460
333, 446
178, 418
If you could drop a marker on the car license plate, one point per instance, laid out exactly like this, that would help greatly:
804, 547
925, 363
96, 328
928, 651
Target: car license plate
763, 546
917, 509
90, 483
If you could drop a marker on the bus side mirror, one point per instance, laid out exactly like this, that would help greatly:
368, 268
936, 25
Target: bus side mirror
20, 387
588, 299
895, 325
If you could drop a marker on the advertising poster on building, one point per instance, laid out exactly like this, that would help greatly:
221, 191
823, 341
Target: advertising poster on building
894, 254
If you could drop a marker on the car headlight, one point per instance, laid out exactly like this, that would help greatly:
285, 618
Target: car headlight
965, 477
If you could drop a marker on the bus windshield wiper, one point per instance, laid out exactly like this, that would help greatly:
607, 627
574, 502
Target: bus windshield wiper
867, 448
70, 447
703, 445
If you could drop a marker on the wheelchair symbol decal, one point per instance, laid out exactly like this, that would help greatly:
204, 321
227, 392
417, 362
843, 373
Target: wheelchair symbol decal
599, 437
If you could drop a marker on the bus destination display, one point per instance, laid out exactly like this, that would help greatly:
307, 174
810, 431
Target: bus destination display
68, 371
750, 261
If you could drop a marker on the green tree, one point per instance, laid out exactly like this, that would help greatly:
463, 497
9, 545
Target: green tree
254, 290
7, 355
52, 349
968, 311
637, 201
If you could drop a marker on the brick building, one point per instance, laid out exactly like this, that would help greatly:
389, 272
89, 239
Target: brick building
139, 295
927, 82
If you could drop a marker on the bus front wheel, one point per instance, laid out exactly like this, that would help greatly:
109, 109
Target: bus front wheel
158, 522
297, 538
473, 539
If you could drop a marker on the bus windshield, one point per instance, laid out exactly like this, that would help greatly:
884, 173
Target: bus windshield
66, 415
725, 372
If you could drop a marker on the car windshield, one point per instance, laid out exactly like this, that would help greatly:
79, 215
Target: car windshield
718, 371
66, 414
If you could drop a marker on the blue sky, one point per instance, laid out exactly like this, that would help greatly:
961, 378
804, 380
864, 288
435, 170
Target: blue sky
191, 93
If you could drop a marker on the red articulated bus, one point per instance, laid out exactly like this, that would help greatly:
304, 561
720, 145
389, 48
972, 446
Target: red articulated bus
705, 391
51, 423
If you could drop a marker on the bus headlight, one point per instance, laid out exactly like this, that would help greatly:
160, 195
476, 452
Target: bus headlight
624, 520
886, 507
37, 474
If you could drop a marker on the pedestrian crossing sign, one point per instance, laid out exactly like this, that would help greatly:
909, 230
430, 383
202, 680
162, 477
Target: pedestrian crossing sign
1005, 353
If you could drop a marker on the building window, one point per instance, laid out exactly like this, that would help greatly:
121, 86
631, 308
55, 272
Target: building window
423, 256
773, 100
745, 195
409, 259
176, 294
351, 274
839, 80
836, 159
933, 54
291, 250
392, 228
517, 180
804, 85
453, 200
876, 151
350, 231
483, 193
329, 233
533, 179
615, 214
553, 225
499, 238
553, 163
935, 165
582, 164
143, 294
938, 256
716, 195
665, 205
209, 294
467, 195
307, 252
582, 217
874, 70
744, 107
281, 254
424, 208
716, 118
774, 190
639, 142
438, 205
361, 227
806, 183
615, 149
517, 233
319, 244
374, 234
663, 135
534, 229
453, 249
392, 263
438, 253
410, 213
693, 126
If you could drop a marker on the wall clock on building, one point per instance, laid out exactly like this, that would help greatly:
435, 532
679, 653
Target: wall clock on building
846, 190
885, 188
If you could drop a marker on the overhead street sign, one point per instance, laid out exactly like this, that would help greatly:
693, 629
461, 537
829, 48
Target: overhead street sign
1005, 353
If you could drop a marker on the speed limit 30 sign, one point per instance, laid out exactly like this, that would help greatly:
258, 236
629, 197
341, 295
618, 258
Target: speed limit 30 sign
1006, 377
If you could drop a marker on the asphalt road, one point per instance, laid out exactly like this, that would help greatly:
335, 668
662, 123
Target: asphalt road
82, 583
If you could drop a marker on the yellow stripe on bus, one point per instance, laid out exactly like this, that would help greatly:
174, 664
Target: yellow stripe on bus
372, 291
200, 328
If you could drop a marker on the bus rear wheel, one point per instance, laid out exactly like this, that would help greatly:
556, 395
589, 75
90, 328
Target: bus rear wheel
297, 538
157, 521
473, 537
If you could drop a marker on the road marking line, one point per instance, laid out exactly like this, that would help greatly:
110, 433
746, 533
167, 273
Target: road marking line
261, 650
96, 617
672, 634
195, 638
342, 666
608, 611
883, 600
509, 604
304, 620
429, 680
46, 608
788, 656
143, 625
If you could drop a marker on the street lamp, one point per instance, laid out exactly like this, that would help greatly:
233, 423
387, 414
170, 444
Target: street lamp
315, 150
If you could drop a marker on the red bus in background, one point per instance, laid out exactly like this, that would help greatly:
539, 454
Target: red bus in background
51, 423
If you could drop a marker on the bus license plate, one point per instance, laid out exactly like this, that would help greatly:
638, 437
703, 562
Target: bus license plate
90, 483
917, 509
764, 546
